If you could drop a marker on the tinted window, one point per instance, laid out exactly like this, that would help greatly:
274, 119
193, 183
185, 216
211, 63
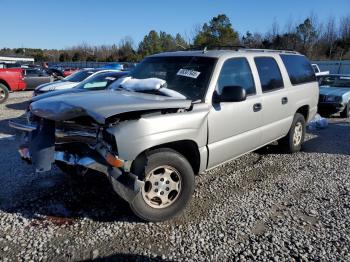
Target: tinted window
335, 81
31, 72
236, 72
299, 69
269, 73
79, 76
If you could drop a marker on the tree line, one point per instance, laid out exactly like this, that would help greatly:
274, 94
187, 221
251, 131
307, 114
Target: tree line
329, 39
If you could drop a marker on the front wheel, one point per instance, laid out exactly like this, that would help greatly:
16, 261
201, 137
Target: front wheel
4, 93
346, 112
168, 185
294, 139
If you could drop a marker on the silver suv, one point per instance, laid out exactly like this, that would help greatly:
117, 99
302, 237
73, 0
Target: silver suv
176, 115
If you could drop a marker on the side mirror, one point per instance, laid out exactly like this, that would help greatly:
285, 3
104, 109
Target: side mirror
230, 94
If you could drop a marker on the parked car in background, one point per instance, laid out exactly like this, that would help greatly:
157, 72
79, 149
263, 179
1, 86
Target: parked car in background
318, 71
55, 73
335, 95
69, 71
115, 66
98, 81
11, 79
176, 115
35, 77
67, 82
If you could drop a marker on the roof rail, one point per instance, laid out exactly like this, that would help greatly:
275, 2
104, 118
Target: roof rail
238, 48
271, 50
215, 47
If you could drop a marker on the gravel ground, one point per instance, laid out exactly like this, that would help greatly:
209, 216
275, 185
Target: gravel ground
263, 206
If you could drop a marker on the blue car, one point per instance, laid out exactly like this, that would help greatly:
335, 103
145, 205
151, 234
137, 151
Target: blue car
334, 95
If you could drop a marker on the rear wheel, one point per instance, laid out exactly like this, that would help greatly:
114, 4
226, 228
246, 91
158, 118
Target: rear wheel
294, 139
4, 93
168, 185
346, 112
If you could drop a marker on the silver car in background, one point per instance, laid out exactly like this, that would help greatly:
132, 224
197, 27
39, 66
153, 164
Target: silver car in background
69, 81
335, 95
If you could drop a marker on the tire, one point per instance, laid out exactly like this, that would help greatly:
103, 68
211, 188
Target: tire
346, 112
293, 141
4, 93
177, 185
67, 169
73, 171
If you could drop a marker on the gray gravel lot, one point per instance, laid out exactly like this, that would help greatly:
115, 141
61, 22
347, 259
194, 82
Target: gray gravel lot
263, 206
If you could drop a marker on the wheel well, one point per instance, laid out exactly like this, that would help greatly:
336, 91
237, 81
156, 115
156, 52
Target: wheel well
187, 148
5, 84
304, 110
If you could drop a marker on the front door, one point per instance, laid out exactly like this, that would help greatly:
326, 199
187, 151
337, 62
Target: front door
234, 127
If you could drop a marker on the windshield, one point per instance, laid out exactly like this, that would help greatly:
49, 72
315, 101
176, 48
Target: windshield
335, 81
188, 76
79, 76
100, 81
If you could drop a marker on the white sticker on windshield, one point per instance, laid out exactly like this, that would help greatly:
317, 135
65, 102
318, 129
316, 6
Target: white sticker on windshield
188, 73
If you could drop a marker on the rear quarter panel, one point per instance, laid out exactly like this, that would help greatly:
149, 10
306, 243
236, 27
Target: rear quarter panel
12, 77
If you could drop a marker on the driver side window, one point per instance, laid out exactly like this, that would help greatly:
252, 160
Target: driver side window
236, 72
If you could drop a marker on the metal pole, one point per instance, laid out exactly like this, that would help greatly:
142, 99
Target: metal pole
341, 57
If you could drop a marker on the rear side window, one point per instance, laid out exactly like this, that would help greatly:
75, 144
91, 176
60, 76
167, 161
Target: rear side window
269, 73
236, 72
299, 69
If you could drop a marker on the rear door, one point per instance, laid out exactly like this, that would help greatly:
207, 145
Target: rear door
234, 127
35, 77
276, 106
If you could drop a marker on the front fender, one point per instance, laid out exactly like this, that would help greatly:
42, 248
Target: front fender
135, 136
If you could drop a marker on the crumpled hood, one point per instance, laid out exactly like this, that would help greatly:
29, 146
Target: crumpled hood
102, 104
334, 91
58, 85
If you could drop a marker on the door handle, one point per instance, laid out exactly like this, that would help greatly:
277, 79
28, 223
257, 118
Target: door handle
284, 100
257, 107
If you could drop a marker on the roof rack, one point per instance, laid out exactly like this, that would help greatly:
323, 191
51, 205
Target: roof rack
215, 47
286, 51
237, 48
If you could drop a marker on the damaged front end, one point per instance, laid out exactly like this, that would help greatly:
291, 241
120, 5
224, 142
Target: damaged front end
87, 146
73, 130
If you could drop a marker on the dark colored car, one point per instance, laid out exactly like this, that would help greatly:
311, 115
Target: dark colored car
34, 77
56, 73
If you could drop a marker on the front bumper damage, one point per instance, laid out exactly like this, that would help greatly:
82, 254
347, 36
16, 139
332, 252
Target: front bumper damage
41, 151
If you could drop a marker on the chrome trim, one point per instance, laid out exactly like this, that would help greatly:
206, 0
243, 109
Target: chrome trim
22, 127
85, 161
61, 133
